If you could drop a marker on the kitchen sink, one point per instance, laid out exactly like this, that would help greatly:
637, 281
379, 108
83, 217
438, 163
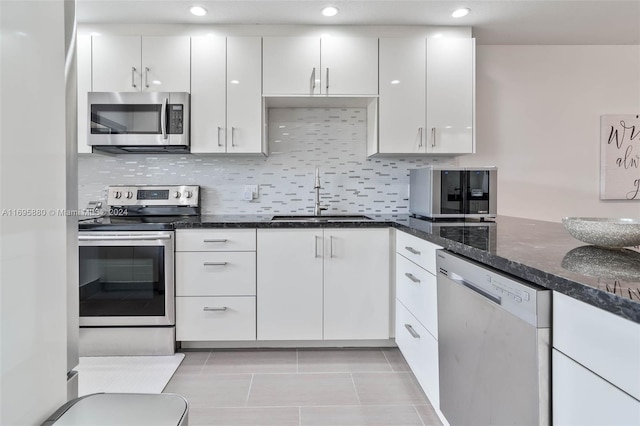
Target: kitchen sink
327, 218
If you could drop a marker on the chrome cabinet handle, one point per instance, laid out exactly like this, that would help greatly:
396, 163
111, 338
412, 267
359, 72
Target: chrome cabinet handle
215, 241
146, 77
163, 118
133, 77
315, 246
411, 277
433, 137
233, 139
215, 309
215, 263
331, 246
219, 129
123, 237
420, 132
313, 80
411, 250
412, 331
327, 79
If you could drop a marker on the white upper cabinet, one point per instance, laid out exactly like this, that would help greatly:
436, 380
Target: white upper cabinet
402, 96
349, 66
140, 64
427, 96
450, 95
291, 66
307, 66
244, 95
226, 99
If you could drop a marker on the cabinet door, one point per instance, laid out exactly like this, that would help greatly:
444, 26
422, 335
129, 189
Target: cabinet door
349, 66
402, 96
244, 95
356, 284
289, 284
581, 397
450, 95
115, 64
166, 64
291, 66
84, 87
208, 95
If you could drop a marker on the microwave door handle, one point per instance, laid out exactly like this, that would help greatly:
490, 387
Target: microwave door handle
163, 118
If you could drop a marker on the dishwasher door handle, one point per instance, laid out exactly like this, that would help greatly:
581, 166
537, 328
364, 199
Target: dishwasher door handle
459, 280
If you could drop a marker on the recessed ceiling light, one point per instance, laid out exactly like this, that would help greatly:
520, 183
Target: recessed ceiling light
156, 82
438, 35
330, 11
395, 81
235, 82
198, 10
459, 13
95, 34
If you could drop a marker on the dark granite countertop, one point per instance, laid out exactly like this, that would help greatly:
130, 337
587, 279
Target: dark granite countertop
539, 252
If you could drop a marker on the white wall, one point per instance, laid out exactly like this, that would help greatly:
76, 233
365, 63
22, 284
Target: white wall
538, 120
33, 175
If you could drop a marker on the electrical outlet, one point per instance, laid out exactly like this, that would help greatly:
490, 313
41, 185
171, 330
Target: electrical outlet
250, 192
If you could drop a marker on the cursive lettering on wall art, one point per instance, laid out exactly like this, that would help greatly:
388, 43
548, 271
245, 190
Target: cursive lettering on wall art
620, 157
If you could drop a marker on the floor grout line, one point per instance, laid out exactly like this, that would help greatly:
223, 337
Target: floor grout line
419, 416
355, 389
388, 362
249, 391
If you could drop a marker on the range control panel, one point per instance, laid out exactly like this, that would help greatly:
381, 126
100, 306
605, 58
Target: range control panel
154, 195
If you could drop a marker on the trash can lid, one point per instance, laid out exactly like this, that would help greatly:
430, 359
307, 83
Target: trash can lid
123, 409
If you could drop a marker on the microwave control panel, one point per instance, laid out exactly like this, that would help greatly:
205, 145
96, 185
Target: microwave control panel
176, 119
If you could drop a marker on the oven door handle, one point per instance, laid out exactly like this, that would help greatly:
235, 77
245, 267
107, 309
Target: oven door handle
123, 237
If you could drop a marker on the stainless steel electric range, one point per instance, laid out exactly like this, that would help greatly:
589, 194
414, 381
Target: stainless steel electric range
126, 260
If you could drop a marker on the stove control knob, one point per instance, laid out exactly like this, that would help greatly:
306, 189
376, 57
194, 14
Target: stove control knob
117, 195
188, 194
176, 194
129, 194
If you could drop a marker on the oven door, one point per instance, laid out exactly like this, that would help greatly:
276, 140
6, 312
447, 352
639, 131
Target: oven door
126, 279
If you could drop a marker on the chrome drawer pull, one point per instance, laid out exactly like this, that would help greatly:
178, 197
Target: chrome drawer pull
221, 309
412, 250
412, 331
215, 263
216, 241
411, 277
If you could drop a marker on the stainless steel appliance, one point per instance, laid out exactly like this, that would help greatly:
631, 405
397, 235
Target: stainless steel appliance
126, 274
453, 192
150, 122
493, 346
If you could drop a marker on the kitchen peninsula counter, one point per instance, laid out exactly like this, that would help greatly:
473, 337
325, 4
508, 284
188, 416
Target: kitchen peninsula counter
540, 252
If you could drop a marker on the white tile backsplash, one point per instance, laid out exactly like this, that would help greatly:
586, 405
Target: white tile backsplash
300, 139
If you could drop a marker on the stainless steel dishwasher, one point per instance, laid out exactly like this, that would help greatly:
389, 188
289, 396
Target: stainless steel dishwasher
493, 346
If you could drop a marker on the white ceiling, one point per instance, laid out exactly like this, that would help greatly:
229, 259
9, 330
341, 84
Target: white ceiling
493, 22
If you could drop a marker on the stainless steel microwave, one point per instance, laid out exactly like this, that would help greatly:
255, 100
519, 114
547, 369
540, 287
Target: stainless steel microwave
453, 192
130, 122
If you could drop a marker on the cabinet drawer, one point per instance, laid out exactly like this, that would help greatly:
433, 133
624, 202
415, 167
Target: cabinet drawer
216, 273
417, 290
216, 240
581, 397
420, 352
216, 318
603, 342
417, 250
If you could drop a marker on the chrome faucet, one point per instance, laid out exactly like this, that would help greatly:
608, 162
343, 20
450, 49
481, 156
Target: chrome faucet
317, 210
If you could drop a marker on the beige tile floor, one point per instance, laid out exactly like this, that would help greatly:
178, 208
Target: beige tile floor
281, 387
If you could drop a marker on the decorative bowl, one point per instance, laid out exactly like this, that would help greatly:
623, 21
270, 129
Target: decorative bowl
604, 232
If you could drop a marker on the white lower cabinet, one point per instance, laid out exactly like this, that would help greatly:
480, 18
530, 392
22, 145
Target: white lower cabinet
595, 370
215, 318
215, 285
420, 349
330, 284
417, 311
582, 398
